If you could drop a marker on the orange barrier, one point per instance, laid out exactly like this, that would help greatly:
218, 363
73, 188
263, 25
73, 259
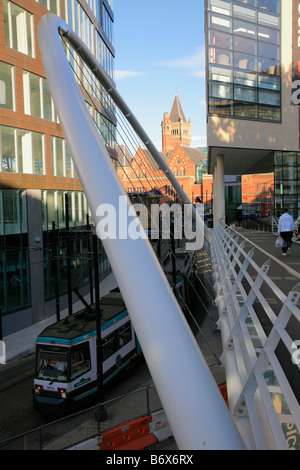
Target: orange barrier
138, 434
133, 435
223, 390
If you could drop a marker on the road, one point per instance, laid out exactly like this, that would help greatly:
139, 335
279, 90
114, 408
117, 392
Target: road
16, 381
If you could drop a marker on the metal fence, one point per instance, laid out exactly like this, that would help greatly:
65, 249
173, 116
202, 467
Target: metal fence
66, 432
260, 333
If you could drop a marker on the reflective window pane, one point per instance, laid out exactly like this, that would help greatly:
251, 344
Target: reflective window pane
244, 78
220, 56
220, 39
270, 51
35, 95
267, 97
220, 74
37, 153
266, 19
269, 35
269, 82
245, 110
220, 6
245, 94
6, 86
268, 113
245, 45
244, 13
269, 66
47, 102
222, 107
221, 91
219, 22
243, 28
246, 62
270, 5
252, 3
8, 152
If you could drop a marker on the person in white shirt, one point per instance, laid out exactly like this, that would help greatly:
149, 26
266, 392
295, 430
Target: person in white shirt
285, 230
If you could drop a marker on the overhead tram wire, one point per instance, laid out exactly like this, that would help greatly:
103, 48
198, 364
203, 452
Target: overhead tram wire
128, 136
132, 143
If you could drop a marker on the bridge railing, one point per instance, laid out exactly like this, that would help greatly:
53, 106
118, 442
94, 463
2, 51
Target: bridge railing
260, 334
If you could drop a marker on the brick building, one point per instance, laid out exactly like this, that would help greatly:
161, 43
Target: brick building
175, 128
36, 168
187, 164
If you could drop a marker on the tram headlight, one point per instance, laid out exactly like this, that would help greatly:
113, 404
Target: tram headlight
63, 392
37, 389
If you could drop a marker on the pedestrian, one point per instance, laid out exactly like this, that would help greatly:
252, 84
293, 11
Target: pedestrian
286, 230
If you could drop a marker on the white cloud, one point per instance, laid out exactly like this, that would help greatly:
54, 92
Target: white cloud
199, 73
199, 140
121, 74
194, 61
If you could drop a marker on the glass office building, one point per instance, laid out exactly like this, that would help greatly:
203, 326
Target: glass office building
253, 124
244, 58
43, 210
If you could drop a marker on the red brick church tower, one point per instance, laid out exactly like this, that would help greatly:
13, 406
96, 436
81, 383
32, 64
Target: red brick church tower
175, 128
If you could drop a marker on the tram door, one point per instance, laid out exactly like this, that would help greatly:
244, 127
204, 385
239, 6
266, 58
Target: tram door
117, 346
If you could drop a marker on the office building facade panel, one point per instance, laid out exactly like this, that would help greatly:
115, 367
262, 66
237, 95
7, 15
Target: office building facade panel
252, 98
244, 59
36, 167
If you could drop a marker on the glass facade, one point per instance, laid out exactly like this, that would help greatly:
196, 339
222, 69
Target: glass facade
287, 182
31, 142
243, 46
14, 251
57, 243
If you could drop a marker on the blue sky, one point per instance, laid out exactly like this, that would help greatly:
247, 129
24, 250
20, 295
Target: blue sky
160, 49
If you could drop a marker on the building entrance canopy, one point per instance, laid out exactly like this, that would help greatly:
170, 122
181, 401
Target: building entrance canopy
239, 161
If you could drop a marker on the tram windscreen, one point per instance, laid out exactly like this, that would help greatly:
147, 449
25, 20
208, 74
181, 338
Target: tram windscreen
52, 363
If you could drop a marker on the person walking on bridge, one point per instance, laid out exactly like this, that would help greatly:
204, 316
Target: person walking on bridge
285, 230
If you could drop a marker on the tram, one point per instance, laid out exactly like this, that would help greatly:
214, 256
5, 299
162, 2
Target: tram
66, 352
66, 356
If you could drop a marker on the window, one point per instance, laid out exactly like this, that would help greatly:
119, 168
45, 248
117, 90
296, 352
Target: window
18, 27
125, 334
52, 363
108, 346
107, 23
79, 22
37, 97
80, 360
22, 151
8, 149
38, 153
7, 86
62, 163
51, 5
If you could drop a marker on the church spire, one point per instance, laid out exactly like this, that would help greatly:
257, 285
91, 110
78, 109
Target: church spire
177, 114
175, 128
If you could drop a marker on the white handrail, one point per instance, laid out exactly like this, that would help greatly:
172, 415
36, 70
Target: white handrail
177, 366
261, 396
